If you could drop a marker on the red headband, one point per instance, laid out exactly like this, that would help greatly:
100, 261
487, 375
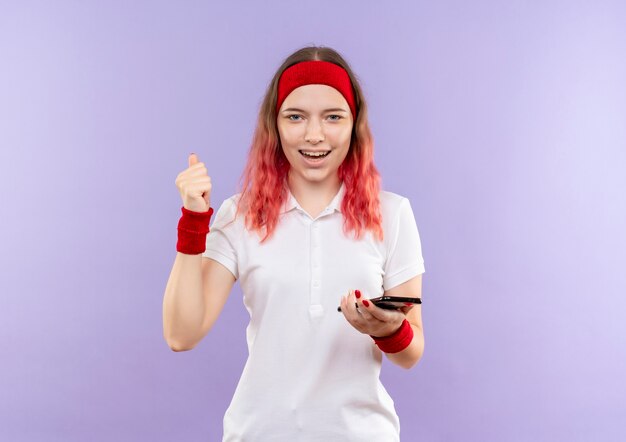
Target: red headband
315, 72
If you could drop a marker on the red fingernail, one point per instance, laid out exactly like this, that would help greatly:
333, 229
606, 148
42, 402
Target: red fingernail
408, 303
366, 303
357, 293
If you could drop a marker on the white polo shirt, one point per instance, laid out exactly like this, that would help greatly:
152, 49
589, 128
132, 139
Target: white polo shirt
310, 375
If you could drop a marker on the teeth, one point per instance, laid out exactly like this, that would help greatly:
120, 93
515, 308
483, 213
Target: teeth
314, 154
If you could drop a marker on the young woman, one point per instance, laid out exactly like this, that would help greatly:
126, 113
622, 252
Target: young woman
310, 231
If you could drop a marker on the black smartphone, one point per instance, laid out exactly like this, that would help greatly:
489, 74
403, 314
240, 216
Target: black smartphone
392, 302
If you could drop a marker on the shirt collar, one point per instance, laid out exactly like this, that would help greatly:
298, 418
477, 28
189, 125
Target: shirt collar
291, 202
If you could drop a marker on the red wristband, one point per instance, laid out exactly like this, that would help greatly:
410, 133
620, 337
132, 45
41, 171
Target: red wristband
398, 341
192, 230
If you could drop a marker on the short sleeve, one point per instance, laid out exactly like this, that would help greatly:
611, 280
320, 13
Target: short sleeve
220, 241
404, 256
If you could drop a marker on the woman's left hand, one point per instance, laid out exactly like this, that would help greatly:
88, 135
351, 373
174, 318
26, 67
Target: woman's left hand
370, 319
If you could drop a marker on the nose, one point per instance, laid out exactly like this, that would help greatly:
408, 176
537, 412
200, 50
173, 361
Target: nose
314, 133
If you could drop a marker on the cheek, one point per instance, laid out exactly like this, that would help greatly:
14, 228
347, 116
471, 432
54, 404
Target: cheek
342, 135
289, 136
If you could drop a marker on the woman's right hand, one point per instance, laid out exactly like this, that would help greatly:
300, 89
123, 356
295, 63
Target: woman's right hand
194, 186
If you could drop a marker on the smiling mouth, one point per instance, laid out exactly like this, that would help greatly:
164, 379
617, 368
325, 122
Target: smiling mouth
313, 157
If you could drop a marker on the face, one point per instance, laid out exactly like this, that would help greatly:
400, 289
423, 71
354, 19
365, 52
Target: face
315, 118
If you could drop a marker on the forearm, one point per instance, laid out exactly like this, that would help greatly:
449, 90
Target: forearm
183, 303
408, 357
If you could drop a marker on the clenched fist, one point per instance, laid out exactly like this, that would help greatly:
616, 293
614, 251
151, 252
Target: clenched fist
194, 185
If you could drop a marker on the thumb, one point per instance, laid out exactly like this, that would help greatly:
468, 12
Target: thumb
193, 159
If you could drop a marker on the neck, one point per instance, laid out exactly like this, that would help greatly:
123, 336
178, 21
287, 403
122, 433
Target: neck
314, 195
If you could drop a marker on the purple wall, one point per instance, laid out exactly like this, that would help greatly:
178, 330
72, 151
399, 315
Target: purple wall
503, 123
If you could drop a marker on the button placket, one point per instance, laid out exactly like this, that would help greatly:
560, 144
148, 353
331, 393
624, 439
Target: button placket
316, 272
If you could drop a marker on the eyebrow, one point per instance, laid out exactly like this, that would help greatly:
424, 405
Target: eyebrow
334, 109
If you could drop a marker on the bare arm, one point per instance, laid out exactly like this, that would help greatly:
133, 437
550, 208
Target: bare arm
411, 355
195, 295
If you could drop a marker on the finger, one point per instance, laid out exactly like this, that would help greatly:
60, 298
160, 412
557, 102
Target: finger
379, 313
194, 176
362, 309
187, 185
405, 309
351, 304
196, 170
197, 187
367, 316
197, 167
193, 159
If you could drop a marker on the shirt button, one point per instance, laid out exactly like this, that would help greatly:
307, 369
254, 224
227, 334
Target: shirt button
316, 283
315, 264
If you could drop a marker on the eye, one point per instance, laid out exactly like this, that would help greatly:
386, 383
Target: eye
339, 117
294, 115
